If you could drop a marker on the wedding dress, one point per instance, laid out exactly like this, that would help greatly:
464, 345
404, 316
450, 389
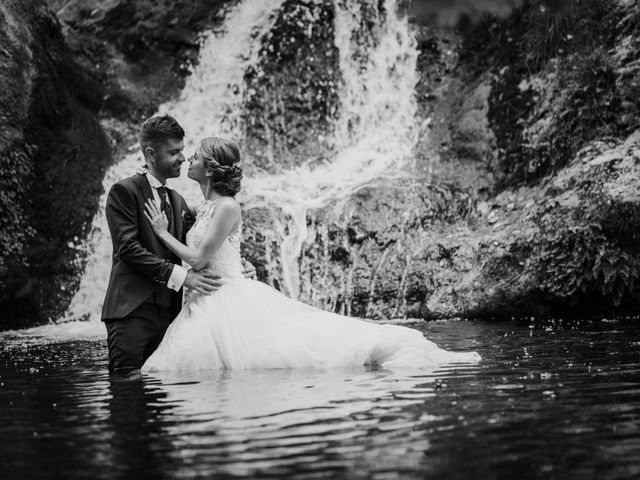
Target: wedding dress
247, 324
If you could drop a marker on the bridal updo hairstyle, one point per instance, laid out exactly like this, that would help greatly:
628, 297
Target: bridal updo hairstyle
222, 158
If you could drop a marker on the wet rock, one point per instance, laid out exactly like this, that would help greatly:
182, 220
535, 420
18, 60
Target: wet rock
576, 258
291, 93
141, 50
54, 155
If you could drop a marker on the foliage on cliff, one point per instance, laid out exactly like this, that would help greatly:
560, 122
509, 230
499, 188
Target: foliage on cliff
54, 154
558, 233
556, 85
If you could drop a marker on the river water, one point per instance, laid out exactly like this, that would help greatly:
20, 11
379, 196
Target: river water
549, 400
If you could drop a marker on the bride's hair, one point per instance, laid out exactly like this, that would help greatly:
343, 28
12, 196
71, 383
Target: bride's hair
223, 163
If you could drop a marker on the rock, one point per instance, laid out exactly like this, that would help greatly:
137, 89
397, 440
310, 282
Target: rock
628, 106
145, 48
54, 155
472, 136
554, 263
626, 119
292, 91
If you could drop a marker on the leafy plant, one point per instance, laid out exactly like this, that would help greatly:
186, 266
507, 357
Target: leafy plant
582, 261
590, 109
588, 102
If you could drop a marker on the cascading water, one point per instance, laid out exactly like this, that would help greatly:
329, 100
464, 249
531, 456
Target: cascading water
209, 104
374, 132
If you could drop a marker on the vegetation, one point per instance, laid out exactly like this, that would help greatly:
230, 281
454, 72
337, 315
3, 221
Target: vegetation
569, 47
582, 262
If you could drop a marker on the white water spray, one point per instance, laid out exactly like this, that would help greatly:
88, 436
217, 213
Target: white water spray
375, 130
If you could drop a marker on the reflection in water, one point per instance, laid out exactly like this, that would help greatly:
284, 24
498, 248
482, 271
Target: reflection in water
548, 400
137, 447
279, 418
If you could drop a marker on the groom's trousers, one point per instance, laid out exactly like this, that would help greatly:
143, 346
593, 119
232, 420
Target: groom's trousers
133, 339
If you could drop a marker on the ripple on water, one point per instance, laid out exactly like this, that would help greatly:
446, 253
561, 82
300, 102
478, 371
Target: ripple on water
568, 408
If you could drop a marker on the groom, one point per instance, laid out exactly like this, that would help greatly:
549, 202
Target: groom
145, 287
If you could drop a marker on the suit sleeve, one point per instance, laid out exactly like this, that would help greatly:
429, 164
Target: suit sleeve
122, 217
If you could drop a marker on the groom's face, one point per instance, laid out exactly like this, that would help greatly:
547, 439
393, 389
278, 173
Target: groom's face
167, 158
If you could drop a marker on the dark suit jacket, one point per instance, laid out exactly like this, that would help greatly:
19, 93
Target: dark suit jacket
141, 264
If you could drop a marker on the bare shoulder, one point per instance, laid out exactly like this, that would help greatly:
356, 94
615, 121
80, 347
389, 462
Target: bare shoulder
229, 208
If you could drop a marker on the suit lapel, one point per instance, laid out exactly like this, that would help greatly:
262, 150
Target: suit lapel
147, 233
144, 185
176, 205
147, 192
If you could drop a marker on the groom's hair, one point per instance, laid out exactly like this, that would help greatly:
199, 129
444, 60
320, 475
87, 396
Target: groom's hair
156, 130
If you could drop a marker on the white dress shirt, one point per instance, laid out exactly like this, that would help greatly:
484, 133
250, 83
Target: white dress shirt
179, 273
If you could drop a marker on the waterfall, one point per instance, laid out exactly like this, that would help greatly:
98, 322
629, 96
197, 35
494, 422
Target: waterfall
374, 132
209, 103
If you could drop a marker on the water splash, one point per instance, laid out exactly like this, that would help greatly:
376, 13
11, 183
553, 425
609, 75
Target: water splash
374, 132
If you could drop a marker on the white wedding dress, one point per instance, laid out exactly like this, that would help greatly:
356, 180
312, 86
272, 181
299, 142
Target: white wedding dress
247, 324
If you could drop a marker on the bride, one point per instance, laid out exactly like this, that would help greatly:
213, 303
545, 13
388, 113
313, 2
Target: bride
247, 324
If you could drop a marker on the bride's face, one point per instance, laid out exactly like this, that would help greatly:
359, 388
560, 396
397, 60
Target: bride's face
197, 166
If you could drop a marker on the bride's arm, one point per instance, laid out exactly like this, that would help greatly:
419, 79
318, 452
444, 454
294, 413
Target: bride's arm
193, 210
225, 217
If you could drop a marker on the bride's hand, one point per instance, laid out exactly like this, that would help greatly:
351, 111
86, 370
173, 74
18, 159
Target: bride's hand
248, 270
157, 219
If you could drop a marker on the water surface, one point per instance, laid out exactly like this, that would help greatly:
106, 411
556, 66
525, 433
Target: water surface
549, 400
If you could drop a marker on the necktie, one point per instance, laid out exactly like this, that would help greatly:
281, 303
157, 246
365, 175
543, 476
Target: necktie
164, 205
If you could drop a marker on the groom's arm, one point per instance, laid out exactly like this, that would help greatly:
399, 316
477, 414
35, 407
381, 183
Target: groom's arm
122, 217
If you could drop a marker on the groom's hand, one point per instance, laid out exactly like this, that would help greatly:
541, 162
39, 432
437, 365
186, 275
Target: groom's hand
248, 270
203, 282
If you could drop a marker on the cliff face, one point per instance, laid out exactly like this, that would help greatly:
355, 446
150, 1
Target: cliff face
141, 50
53, 156
291, 93
555, 230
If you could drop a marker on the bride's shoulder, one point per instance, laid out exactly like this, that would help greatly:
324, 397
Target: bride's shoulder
228, 206
224, 206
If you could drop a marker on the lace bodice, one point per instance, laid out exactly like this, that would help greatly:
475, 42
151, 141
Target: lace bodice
226, 261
